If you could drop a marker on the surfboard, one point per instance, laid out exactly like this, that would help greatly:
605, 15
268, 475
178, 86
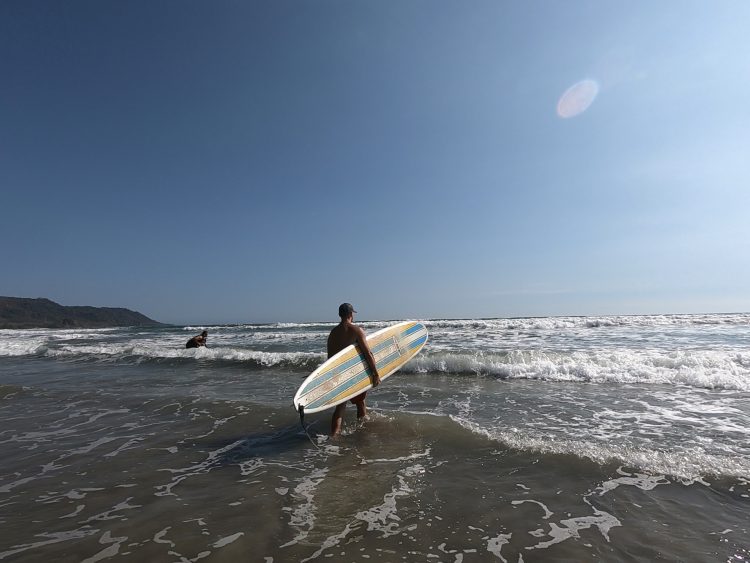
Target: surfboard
346, 375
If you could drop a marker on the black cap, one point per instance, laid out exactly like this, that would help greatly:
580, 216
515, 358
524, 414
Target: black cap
346, 309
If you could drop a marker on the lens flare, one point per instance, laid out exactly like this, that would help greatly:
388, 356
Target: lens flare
577, 98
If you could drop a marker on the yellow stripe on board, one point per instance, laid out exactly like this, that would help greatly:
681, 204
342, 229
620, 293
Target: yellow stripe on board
387, 369
356, 390
390, 343
355, 352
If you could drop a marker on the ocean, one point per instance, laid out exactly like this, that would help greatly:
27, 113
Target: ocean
516, 440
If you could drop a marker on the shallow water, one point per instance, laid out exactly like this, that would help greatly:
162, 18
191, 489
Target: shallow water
617, 439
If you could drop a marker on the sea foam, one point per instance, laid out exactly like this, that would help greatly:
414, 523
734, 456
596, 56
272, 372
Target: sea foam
683, 464
706, 369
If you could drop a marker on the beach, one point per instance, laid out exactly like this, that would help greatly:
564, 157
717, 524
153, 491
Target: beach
539, 439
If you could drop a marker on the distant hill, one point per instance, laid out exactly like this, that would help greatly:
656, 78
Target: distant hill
19, 312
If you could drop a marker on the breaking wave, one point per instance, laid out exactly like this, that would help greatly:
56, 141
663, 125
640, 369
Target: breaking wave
706, 369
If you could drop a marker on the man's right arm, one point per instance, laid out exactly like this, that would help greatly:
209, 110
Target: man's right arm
369, 358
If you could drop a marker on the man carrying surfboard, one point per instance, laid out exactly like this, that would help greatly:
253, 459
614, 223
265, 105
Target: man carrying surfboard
344, 334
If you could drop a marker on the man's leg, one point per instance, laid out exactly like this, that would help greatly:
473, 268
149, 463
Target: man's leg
338, 417
361, 409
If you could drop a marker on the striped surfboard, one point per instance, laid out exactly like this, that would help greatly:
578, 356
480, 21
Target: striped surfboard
346, 375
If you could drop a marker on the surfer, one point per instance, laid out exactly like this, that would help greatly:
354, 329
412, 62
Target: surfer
344, 334
197, 341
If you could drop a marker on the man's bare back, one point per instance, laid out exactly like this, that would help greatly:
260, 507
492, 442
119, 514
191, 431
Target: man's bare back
343, 335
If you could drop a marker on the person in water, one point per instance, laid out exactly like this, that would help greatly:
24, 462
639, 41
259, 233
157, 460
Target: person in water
197, 341
344, 334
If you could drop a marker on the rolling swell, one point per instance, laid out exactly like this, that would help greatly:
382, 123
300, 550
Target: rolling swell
137, 354
708, 369
728, 370
558, 323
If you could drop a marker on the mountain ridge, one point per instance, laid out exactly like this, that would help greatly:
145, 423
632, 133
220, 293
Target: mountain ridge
22, 312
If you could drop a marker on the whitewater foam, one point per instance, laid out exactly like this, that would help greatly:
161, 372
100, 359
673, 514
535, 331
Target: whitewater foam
141, 352
557, 323
687, 463
697, 368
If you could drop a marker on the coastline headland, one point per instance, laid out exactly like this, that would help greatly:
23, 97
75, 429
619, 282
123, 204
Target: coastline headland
21, 312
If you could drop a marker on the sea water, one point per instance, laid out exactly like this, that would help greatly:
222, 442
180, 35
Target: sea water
541, 439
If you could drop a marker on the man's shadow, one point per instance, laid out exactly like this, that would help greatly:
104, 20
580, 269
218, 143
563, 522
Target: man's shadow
269, 444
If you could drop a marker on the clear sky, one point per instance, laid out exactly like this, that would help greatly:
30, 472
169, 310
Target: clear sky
239, 161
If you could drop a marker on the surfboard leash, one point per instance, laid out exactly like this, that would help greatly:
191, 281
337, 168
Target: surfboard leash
301, 411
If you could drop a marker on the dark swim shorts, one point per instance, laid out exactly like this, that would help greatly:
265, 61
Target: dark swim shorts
359, 398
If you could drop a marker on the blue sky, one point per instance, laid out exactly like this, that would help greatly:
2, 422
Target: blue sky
261, 161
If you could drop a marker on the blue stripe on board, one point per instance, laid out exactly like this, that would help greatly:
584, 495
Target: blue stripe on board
354, 379
416, 327
337, 391
345, 366
352, 382
363, 374
409, 344
331, 373
412, 329
418, 342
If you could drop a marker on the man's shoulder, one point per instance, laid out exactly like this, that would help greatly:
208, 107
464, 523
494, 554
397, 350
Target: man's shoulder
357, 331
346, 331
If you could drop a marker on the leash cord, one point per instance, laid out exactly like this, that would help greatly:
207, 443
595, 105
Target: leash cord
302, 423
